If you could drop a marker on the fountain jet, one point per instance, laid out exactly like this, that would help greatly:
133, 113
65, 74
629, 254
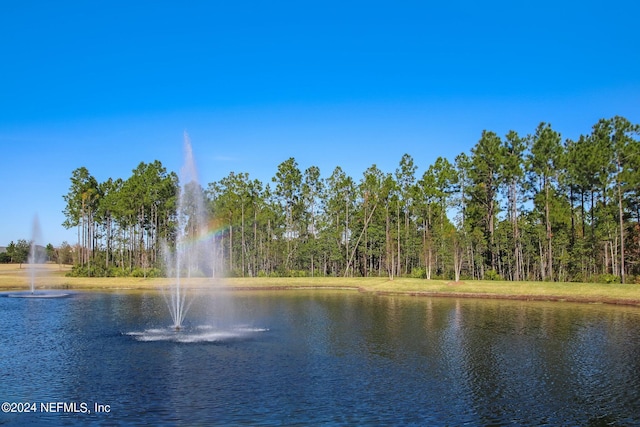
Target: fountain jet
35, 255
192, 256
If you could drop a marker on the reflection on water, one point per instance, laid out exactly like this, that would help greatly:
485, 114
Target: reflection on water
321, 357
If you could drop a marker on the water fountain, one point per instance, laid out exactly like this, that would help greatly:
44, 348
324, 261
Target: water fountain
192, 256
36, 257
35, 260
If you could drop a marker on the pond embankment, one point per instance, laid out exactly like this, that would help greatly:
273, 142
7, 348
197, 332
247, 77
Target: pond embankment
51, 276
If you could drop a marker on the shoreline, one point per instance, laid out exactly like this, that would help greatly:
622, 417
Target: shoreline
418, 294
513, 297
52, 277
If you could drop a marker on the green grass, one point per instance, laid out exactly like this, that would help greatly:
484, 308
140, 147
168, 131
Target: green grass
53, 277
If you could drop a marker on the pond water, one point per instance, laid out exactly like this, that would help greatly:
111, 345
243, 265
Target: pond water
316, 357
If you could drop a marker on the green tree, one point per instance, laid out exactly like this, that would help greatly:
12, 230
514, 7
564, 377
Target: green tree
107, 212
513, 178
545, 162
288, 180
65, 253
51, 253
389, 199
370, 191
338, 209
461, 201
428, 195
19, 252
259, 210
618, 152
485, 175
312, 193
147, 209
82, 201
582, 163
405, 179
237, 204
435, 188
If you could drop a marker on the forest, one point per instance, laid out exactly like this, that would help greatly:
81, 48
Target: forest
516, 207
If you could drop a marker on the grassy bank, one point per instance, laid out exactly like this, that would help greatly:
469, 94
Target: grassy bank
54, 277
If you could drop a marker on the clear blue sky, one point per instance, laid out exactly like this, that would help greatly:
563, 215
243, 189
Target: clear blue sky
106, 85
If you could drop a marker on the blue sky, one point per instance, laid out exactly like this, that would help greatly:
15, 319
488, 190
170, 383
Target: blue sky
107, 85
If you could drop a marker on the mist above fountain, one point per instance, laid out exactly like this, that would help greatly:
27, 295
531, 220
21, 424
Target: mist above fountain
193, 253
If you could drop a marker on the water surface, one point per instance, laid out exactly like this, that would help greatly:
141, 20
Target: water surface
319, 357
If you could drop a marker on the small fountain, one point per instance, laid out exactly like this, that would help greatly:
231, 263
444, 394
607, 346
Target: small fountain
37, 257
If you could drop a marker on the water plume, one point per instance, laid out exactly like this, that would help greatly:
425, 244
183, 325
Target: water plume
193, 255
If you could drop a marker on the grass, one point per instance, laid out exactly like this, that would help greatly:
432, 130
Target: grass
51, 276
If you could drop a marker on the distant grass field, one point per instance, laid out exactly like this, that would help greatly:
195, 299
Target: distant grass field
51, 276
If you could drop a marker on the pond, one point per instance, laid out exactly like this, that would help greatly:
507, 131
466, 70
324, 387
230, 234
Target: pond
316, 357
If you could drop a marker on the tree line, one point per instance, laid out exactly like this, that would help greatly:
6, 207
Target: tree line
22, 251
516, 207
